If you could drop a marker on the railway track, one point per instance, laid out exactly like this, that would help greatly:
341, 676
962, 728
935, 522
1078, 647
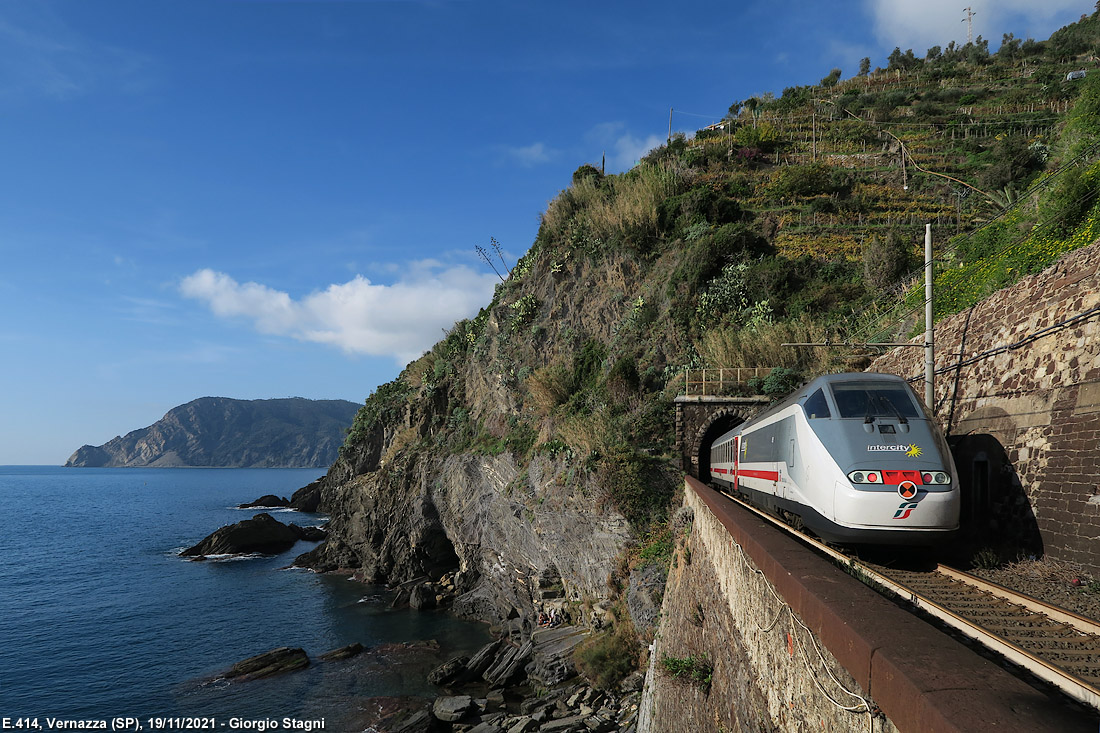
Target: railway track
1051, 643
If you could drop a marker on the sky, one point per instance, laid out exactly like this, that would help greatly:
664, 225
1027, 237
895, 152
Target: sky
276, 198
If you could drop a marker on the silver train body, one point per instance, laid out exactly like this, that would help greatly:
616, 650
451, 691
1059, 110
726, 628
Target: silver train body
854, 456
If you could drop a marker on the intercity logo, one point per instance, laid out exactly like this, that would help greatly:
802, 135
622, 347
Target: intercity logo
905, 509
913, 450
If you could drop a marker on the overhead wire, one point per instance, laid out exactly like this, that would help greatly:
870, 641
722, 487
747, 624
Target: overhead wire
951, 251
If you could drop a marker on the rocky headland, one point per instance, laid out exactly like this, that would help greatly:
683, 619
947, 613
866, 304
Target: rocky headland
219, 432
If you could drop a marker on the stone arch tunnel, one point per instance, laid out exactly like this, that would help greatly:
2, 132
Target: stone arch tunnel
701, 419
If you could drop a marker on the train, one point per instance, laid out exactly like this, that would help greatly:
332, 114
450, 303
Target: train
855, 458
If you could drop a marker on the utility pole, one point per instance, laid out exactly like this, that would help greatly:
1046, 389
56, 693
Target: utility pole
929, 344
670, 125
929, 328
814, 132
969, 24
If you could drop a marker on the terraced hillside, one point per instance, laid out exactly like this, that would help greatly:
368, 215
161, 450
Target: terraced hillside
533, 442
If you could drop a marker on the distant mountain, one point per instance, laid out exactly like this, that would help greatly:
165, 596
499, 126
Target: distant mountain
227, 433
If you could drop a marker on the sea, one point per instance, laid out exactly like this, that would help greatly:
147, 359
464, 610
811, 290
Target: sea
100, 619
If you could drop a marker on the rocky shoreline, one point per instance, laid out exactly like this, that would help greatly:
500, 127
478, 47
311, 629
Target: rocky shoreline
568, 709
502, 688
522, 682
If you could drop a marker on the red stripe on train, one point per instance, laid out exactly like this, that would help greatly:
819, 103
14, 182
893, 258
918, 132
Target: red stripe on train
767, 475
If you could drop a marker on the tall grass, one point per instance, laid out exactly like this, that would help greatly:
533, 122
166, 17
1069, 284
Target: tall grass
762, 346
631, 201
616, 206
549, 387
590, 434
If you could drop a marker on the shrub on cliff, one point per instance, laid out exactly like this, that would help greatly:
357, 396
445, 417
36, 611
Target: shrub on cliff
385, 405
607, 658
635, 484
885, 259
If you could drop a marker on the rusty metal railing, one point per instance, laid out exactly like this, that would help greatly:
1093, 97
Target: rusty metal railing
716, 382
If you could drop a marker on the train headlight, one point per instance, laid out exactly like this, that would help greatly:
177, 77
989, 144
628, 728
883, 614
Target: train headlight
865, 477
926, 478
857, 478
942, 478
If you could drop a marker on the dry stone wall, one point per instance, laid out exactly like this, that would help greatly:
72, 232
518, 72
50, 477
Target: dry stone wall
1018, 390
770, 673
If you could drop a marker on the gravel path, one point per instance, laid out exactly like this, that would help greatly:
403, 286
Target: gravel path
1062, 583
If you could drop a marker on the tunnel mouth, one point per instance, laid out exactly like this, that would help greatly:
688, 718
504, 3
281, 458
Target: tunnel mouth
717, 427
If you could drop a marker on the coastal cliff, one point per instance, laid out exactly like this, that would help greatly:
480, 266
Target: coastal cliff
227, 433
461, 463
528, 456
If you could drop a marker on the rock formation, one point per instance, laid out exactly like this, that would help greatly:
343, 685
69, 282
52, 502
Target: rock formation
261, 534
276, 661
269, 501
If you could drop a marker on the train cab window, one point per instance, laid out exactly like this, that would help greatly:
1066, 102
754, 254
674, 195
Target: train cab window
877, 399
816, 406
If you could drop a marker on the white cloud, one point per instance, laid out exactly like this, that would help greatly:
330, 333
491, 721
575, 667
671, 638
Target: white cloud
400, 320
41, 57
920, 25
630, 149
531, 155
623, 148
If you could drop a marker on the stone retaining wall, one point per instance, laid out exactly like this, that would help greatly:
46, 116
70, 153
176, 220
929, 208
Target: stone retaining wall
785, 631
1018, 389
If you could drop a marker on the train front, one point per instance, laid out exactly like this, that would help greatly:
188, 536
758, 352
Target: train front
896, 482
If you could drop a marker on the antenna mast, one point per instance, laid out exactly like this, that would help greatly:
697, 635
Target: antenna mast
969, 24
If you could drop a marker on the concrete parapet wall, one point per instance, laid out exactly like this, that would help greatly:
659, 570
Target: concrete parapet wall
1021, 379
793, 640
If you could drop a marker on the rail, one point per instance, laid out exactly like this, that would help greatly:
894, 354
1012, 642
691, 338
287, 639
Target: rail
1048, 642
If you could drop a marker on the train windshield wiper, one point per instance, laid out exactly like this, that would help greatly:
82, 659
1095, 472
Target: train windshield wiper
892, 408
868, 416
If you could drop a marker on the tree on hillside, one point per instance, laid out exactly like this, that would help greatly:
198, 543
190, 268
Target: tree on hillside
902, 61
1010, 47
885, 259
977, 52
587, 171
832, 78
752, 104
1012, 159
864, 66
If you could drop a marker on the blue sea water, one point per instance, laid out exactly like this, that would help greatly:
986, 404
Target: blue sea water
99, 618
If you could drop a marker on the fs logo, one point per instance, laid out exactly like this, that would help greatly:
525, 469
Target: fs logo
905, 509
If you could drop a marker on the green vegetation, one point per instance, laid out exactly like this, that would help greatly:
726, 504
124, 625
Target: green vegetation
987, 559
694, 669
385, 405
607, 658
657, 547
801, 220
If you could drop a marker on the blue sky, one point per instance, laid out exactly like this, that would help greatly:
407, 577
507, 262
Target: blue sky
273, 198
